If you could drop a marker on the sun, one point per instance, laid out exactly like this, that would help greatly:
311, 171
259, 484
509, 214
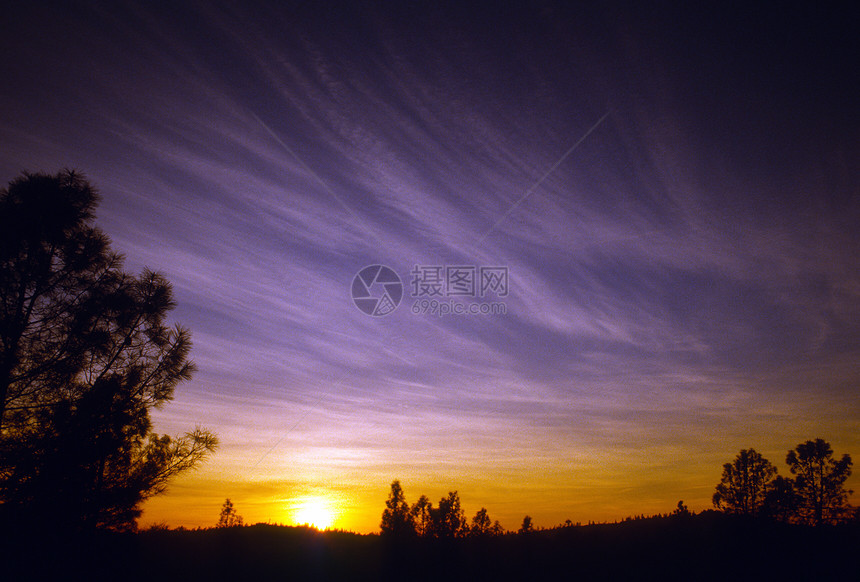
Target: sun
315, 512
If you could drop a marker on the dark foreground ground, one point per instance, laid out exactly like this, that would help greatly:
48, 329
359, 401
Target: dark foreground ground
703, 547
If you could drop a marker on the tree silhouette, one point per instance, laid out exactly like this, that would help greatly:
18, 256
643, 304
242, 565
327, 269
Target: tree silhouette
481, 524
745, 483
819, 483
448, 519
497, 529
229, 517
526, 526
681, 510
781, 500
85, 354
422, 516
396, 517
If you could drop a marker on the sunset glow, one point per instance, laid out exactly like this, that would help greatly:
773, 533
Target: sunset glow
314, 511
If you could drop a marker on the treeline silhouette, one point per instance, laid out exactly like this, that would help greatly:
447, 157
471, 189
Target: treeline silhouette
710, 545
423, 541
446, 520
750, 486
764, 528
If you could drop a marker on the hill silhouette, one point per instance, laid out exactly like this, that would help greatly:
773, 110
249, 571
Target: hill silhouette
707, 546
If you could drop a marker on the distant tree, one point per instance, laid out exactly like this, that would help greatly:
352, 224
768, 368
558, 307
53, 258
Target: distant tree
397, 518
448, 519
497, 529
422, 516
229, 517
745, 484
819, 483
481, 524
682, 509
85, 353
527, 526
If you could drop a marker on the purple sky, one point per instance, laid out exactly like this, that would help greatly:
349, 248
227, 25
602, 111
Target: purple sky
683, 284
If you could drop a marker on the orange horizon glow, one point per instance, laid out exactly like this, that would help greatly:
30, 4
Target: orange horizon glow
194, 500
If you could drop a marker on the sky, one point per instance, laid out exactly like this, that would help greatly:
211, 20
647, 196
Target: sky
668, 198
